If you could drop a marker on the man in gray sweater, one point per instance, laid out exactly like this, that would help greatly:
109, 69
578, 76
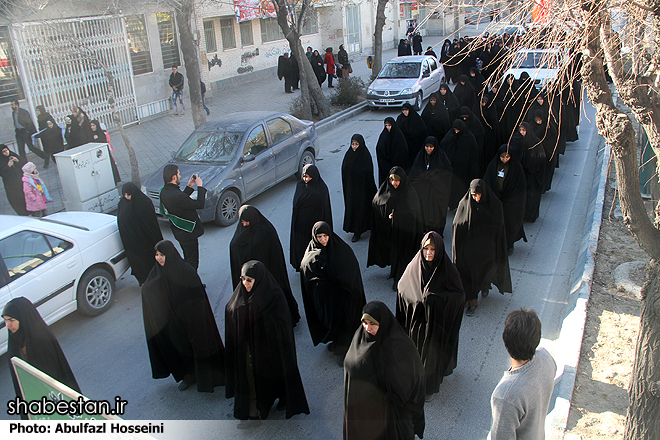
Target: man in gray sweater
520, 401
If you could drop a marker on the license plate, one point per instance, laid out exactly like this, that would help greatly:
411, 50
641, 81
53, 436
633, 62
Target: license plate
387, 100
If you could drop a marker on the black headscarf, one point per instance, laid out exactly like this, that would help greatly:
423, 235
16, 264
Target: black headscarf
359, 187
11, 178
391, 150
182, 335
465, 93
431, 177
259, 241
311, 203
534, 163
43, 117
259, 321
383, 382
414, 130
393, 240
139, 230
430, 308
479, 248
436, 118
97, 135
487, 115
332, 289
450, 101
35, 343
461, 150
547, 132
474, 125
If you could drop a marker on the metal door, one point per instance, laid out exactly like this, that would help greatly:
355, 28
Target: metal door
353, 29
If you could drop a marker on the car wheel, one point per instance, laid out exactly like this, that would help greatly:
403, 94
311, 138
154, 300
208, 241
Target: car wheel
96, 290
226, 213
307, 158
418, 101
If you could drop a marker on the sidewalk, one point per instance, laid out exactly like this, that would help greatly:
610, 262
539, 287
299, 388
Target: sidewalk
155, 139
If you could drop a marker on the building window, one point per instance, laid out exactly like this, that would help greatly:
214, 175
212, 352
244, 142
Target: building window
227, 30
169, 43
270, 30
138, 44
209, 36
10, 82
310, 23
246, 33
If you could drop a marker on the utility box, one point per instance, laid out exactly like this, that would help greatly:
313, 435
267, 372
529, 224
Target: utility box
87, 180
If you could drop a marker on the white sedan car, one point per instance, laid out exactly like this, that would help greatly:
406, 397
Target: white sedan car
542, 65
62, 262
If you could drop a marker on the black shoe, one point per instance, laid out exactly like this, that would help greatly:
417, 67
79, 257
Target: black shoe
208, 112
356, 237
281, 404
331, 87
394, 286
183, 385
331, 347
470, 310
288, 91
484, 293
511, 250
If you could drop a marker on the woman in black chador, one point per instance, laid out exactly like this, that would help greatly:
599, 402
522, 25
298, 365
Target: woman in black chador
413, 128
431, 177
261, 348
138, 229
479, 244
383, 381
396, 225
430, 306
12, 175
31, 340
450, 101
436, 117
547, 132
332, 289
460, 146
256, 239
311, 203
357, 178
391, 150
534, 163
317, 65
465, 93
50, 134
182, 336
506, 178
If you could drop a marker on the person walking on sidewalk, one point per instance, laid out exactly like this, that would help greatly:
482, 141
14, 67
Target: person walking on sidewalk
181, 210
342, 58
203, 87
24, 128
176, 82
329, 61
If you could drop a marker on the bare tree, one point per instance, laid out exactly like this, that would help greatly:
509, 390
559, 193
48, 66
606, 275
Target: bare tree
291, 15
378, 36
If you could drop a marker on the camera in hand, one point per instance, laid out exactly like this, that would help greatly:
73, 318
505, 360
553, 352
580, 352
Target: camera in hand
194, 176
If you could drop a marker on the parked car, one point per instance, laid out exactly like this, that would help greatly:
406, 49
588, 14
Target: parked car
61, 262
408, 79
542, 65
239, 156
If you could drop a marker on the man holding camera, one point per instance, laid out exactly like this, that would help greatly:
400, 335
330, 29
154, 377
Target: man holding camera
181, 210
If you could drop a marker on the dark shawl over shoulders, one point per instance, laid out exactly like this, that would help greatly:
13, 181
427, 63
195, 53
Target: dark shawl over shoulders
359, 187
259, 320
534, 163
393, 241
461, 150
391, 150
512, 195
414, 130
450, 101
139, 230
182, 335
431, 177
479, 248
11, 178
430, 308
332, 290
383, 382
311, 203
436, 118
35, 343
259, 241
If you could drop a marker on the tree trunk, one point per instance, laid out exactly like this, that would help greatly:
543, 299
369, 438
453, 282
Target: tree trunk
642, 421
190, 60
378, 37
306, 73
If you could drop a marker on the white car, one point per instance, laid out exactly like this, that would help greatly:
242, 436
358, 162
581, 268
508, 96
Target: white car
61, 262
542, 65
408, 79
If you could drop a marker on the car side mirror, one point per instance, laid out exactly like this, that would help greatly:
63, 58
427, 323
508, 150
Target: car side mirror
247, 158
426, 75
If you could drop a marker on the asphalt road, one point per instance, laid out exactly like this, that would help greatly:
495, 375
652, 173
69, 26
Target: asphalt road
108, 353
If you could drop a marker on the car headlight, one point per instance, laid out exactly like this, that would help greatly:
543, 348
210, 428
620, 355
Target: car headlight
370, 91
406, 91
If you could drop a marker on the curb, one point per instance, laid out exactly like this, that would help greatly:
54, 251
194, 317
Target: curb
572, 328
331, 121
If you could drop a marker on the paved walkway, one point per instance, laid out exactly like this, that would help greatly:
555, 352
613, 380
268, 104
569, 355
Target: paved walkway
155, 139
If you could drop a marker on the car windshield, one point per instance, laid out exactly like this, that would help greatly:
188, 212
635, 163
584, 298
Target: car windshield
210, 146
536, 60
400, 70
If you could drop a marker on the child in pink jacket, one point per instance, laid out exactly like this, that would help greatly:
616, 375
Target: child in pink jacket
36, 193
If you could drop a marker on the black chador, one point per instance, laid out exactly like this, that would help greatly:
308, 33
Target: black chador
534, 164
256, 239
436, 117
413, 128
450, 101
547, 132
357, 178
465, 93
391, 150
139, 230
460, 146
383, 381
431, 177
311, 203
332, 289
261, 349
429, 307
